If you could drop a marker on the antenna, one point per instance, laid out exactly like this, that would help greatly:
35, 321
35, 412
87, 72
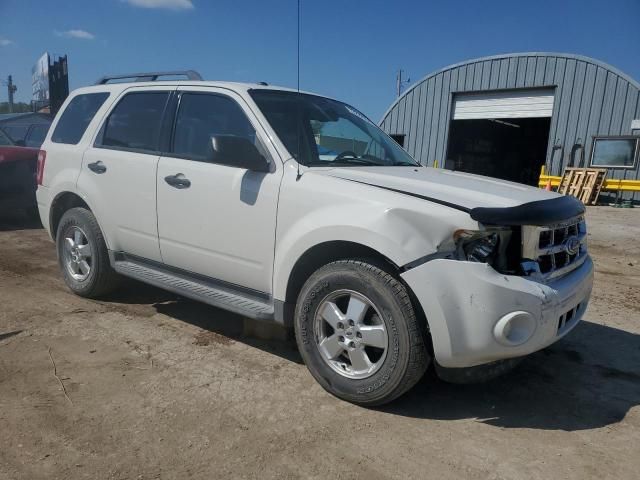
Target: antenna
400, 83
299, 119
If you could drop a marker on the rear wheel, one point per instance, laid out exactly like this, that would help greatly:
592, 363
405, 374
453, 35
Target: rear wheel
358, 333
83, 255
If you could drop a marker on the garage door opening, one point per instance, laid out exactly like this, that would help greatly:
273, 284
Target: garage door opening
510, 149
501, 134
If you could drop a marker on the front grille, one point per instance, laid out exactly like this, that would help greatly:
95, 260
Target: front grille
556, 249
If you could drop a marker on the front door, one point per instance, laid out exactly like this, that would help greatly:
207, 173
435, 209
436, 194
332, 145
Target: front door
216, 219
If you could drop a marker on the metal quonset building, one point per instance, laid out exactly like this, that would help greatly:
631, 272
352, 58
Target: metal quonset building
507, 115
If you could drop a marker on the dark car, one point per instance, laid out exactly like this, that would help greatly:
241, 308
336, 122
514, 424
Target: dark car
17, 177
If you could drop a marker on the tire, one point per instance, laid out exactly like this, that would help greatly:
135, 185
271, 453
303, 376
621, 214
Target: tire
333, 352
80, 226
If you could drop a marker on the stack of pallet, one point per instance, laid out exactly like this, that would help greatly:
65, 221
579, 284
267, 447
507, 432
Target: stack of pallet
583, 183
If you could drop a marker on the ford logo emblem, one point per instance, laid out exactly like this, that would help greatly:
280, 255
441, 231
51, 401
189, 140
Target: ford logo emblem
572, 245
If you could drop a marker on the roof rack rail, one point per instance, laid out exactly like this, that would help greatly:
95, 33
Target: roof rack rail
150, 76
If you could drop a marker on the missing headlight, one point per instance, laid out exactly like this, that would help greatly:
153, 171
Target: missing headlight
483, 246
476, 246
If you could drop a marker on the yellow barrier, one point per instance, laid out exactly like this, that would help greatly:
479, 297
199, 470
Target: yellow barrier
610, 184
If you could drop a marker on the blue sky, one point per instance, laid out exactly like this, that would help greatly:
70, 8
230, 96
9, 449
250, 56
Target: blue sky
351, 49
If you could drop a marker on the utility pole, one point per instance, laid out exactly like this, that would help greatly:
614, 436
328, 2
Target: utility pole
11, 89
400, 83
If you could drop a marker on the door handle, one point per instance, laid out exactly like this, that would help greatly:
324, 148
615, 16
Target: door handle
178, 181
97, 167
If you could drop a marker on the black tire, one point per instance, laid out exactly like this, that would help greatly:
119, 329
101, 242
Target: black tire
101, 279
406, 358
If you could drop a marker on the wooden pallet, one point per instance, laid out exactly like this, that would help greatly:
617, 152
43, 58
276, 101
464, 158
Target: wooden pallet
583, 183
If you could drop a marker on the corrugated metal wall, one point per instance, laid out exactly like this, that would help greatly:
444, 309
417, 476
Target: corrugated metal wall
591, 98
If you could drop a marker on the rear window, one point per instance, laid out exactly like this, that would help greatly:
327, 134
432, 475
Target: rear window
134, 124
76, 117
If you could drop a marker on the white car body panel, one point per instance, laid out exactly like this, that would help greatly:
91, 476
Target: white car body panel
318, 208
462, 189
223, 225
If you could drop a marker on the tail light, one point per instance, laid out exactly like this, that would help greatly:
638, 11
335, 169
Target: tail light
42, 156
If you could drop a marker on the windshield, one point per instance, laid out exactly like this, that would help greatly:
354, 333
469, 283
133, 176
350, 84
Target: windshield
320, 132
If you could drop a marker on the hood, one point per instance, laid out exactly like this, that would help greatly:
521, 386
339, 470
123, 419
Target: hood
463, 190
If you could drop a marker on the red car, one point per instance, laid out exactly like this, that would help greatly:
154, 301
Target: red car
17, 177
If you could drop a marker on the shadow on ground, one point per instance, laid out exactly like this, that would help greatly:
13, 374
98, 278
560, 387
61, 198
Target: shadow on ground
270, 338
588, 380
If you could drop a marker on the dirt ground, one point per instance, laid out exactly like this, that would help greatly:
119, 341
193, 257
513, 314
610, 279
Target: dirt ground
156, 386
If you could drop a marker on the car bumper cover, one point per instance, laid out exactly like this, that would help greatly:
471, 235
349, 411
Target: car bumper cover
477, 315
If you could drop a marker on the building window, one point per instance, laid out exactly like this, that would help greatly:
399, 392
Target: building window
614, 152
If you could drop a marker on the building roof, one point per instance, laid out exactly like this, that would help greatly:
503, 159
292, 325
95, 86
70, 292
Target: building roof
572, 56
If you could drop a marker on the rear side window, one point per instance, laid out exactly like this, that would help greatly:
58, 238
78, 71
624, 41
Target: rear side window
37, 135
200, 117
5, 140
76, 117
135, 122
17, 132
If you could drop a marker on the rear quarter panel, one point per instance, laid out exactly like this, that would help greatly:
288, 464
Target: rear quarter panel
64, 161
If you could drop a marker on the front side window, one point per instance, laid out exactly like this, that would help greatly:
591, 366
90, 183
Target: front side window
613, 152
76, 117
319, 131
203, 116
134, 124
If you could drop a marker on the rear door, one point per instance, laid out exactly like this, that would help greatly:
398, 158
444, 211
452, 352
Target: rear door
119, 171
221, 224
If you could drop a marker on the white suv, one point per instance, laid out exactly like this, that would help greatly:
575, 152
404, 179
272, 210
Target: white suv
297, 209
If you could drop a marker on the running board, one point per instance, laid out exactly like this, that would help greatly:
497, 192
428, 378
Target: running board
199, 289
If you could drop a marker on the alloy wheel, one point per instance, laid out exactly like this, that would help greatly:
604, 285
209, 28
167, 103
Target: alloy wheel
77, 253
350, 334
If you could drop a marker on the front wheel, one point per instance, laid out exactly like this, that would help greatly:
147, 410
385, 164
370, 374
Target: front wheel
358, 333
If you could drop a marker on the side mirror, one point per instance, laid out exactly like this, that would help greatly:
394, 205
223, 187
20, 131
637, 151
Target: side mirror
20, 143
237, 152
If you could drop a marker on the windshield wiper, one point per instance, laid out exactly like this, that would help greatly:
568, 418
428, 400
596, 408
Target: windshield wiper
358, 160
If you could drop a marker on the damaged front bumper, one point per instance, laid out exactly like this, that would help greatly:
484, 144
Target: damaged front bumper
477, 315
